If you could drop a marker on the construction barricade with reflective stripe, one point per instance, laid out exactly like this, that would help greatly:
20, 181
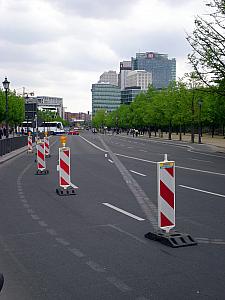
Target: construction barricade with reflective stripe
41, 164
166, 194
47, 146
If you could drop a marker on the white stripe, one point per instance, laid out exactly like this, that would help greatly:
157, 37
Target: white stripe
111, 161
179, 167
202, 171
93, 144
208, 161
123, 212
167, 179
137, 173
167, 210
198, 190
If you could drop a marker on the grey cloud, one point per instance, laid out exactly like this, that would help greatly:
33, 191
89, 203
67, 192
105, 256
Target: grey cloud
103, 9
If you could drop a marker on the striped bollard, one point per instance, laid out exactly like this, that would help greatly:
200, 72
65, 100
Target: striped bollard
65, 186
166, 194
47, 146
41, 164
29, 144
166, 209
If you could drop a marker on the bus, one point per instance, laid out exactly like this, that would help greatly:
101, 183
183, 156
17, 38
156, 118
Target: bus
54, 127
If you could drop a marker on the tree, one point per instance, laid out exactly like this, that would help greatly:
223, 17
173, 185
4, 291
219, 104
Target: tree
208, 45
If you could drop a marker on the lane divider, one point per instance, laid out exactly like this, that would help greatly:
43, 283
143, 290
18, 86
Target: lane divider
123, 211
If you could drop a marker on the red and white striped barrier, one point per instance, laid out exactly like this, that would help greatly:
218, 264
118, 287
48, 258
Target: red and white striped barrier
29, 144
47, 146
166, 194
65, 185
64, 167
41, 164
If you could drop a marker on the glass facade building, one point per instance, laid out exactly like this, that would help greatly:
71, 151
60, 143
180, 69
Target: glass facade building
129, 93
163, 69
105, 96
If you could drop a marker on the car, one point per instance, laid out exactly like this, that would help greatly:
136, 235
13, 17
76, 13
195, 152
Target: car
73, 132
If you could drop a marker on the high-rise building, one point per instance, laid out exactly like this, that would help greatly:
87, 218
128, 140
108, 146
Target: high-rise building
140, 78
105, 96
109, 77
125, 67
163, 69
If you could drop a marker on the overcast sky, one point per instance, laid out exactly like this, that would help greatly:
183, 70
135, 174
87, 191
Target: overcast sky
60, 47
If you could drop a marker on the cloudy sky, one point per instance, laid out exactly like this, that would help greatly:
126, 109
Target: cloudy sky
60, 47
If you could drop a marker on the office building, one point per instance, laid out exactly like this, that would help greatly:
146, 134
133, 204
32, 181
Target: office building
105, 96
109, 77
163, 69
140, 78
46, 103
129, 93
125, 67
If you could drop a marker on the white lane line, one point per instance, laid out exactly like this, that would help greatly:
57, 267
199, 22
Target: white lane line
201, 160
93, 144
111, 161
137, 173
198, 190
178, 167
118, 284
95, 266
123, 212
143, 150
77, 252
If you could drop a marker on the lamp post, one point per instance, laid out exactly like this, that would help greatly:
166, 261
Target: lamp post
6, 87
199, 122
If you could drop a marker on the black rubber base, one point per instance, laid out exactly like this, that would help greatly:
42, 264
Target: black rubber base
65, 192
44, 172
172, 239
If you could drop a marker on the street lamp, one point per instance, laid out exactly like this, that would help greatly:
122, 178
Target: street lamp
6, 87
199, 122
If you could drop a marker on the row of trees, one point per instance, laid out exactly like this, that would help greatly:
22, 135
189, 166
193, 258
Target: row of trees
196, 100
16, 109
181, 107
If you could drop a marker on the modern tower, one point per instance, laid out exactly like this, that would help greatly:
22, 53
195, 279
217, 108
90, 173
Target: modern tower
162, 68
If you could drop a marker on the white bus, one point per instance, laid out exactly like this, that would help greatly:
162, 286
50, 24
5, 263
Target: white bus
54, 127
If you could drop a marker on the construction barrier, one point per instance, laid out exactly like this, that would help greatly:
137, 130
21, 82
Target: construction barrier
166, 209
166, 194
41, 164
47, 146
29, 143
65, 185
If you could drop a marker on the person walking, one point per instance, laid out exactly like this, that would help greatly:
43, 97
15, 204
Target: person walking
1, 132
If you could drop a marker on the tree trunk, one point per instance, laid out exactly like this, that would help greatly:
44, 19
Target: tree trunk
213, 129
170, 127
180, 133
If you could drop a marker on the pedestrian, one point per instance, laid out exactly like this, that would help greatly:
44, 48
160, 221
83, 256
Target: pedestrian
4, 131
1, 132
22, 131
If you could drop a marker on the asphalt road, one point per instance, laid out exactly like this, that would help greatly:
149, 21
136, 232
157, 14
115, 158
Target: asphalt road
80, 247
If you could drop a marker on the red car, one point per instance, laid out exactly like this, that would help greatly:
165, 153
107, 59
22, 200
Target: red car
73, 132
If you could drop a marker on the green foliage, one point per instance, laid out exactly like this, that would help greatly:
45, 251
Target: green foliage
16, 108
178, 105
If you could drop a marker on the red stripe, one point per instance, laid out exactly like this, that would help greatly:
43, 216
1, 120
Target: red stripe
46, 146
41, 155
67, 152
63, 181
164, 221
40, 166
170, 171
64, 166
166, 194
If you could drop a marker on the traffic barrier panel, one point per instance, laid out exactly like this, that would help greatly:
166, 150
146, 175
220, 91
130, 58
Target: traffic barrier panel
65, 186
29, 144
47, 146
41, 164
166, 194
166, 209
